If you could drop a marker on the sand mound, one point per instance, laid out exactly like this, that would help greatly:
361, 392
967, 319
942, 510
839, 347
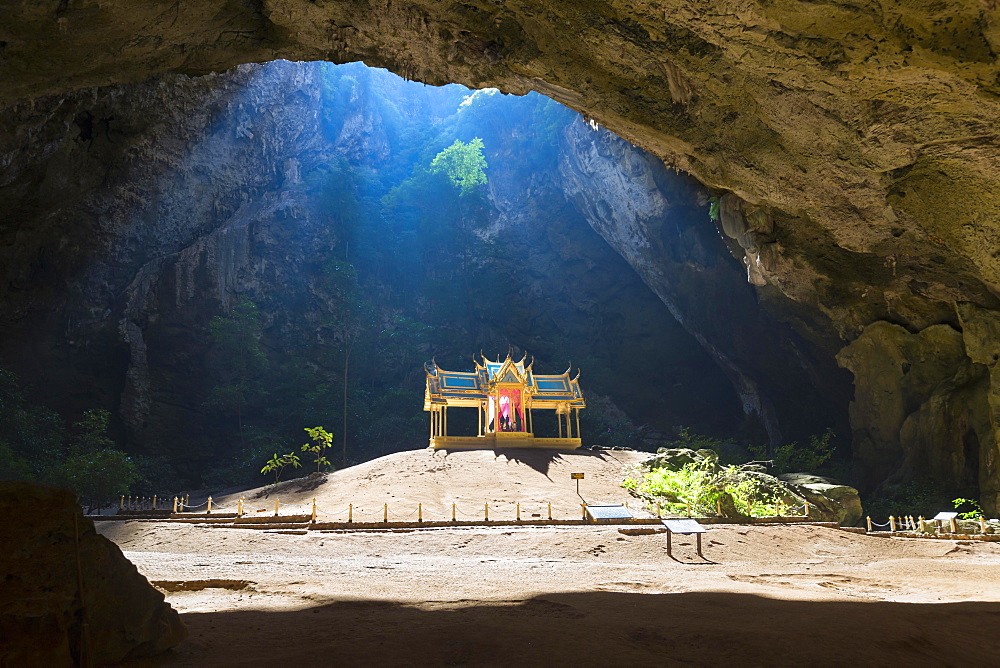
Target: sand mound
468, 478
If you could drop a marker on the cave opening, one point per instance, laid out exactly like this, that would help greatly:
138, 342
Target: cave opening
187, 253
287, 243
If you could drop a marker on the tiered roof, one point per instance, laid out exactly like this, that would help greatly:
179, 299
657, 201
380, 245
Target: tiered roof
469, 388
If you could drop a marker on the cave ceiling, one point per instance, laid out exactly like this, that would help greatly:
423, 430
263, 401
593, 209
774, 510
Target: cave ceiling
853, 145
857, 139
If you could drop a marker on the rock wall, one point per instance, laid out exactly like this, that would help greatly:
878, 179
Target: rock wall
173, 199
857, 141
69, 595
646, 214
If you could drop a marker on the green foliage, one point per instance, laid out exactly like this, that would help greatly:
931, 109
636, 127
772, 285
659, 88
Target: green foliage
688, 439
322, 439
702, 486
99, 477
463, 164
923, 496
278, 463
713, 209
238, 362
794, 458
31, 437
974, 514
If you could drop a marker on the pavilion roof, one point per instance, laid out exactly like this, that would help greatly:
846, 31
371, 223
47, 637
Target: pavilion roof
469, 388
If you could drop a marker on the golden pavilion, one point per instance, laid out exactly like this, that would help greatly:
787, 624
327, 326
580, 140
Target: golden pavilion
505, 393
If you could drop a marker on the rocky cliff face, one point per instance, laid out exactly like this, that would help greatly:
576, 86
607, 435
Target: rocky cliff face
857, 140
176, 198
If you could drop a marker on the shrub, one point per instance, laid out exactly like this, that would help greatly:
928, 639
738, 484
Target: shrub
743, 490
793, 457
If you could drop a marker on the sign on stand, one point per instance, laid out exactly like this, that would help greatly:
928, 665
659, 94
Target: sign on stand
578, 477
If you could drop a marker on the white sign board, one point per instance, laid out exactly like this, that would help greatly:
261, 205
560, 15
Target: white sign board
683, 526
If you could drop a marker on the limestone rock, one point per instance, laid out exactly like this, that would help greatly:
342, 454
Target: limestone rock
69, 596
828, 499
981, 335
920, 405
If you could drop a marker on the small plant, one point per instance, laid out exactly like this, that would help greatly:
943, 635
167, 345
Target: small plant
713, 209
322, 440
974, 514
278, 463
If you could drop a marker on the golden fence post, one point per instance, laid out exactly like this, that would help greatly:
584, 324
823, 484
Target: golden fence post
869, 524
689, 508
892, 524
658, 510
175, 504
209, 505
420, 512
239, 507
518, 512
583, 507
807, 507
982, 523
718, 507
276, 506
121, 504
385, 512
486, 511
953, 524
154, 502
350, 512
550, 510
187, 499
453, 519
313, 512
128, 504
923, 529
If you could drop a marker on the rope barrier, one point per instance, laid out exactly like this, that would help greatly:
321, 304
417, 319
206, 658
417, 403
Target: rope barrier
184, 505
405, 517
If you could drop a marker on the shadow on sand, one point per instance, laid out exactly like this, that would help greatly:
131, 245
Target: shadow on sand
542, 459
598, 628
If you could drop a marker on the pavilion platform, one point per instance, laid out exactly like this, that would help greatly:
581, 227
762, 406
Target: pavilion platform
503, 440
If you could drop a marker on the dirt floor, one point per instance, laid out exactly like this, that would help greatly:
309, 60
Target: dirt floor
590, 595
438, 478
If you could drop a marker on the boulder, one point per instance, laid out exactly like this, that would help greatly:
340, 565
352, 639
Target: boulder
828, 499
69, 595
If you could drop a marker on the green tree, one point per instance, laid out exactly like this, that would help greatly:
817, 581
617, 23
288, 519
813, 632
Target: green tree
239, 361
98, 476
31, 437
463, 164
352, 319
92, 466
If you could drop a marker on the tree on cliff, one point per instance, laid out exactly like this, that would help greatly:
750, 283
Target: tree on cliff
463, 164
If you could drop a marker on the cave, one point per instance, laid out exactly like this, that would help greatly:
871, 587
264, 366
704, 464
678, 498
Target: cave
755, 221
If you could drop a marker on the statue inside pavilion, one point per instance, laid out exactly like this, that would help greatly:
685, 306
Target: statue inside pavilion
504, 393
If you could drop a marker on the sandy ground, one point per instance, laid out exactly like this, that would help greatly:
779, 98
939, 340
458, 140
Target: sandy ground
469, 479
765, 595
